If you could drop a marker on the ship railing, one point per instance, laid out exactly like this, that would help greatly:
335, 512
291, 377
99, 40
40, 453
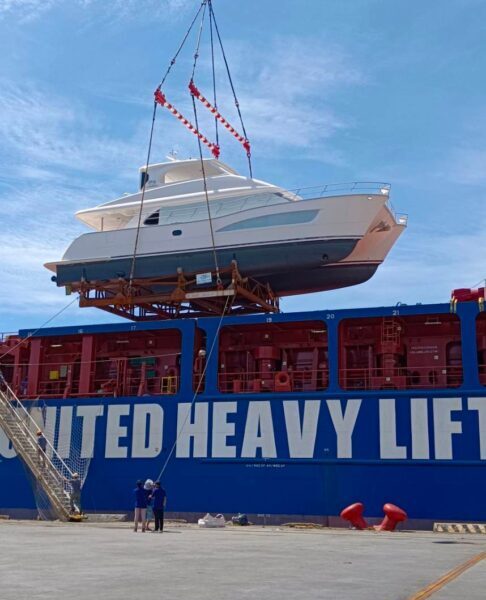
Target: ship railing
106, 386
423, 377
305, 380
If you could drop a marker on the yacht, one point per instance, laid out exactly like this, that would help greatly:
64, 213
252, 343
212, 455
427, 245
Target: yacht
301, 241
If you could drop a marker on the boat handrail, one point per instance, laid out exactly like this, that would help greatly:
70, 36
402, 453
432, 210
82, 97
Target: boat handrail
345, 189
337, 189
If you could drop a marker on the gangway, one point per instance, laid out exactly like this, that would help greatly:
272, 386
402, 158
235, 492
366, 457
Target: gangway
52, 474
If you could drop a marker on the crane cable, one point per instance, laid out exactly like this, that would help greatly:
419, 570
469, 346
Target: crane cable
196, 392
230, 79
32, 333
215, 101
205, 4
201, 159
145, 173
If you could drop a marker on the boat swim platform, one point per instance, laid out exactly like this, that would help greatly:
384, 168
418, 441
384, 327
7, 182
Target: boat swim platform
178, 296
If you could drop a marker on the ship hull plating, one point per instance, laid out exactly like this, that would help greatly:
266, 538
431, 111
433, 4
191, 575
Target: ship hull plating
280, 455
288, 267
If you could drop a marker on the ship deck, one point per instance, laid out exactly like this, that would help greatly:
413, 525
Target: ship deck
107, 560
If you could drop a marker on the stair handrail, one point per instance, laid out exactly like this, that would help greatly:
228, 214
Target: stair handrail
7, 401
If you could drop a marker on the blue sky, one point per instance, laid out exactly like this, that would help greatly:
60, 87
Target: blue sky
331, 91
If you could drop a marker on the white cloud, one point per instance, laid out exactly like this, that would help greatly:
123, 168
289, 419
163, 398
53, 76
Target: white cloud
50, 131
26, 9
286, 91
29, 10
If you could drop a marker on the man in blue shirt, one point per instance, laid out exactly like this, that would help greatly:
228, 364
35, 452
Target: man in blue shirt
141, 500
159, 499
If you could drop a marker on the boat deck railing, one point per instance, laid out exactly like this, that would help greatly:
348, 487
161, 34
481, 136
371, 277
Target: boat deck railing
345, 189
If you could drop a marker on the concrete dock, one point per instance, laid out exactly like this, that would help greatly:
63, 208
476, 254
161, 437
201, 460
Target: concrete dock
54, 561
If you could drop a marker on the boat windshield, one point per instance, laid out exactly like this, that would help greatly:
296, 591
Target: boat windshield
219, 208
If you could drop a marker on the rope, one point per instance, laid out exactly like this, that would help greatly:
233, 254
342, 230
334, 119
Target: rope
237, 104
145, 179
198, 43
201, 159
169, 68
179, 433
211, 229
173, 61
39, 328
478, 283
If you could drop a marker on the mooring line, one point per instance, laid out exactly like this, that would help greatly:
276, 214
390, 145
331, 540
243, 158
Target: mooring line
435, 586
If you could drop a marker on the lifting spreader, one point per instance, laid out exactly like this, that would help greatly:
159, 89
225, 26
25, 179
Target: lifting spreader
181, 295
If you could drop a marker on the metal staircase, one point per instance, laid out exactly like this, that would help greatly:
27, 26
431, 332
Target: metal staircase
52, 474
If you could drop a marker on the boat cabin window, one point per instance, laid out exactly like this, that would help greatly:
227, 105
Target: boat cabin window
273, 357
292, 218
198, 211
481, 341
143, 178
153, 219
405, 352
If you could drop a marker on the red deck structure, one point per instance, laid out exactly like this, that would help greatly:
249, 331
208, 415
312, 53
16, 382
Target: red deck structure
373, 353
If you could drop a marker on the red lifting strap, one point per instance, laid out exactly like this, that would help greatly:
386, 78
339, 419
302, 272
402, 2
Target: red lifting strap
161, 99
197, 94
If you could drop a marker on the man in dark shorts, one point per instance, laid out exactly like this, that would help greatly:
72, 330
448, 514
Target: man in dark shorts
41, 448
159, 499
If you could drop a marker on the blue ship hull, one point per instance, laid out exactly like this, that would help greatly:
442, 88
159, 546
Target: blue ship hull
282, 456
286, 453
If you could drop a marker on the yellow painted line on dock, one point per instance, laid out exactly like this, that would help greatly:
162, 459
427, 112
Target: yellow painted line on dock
435, 586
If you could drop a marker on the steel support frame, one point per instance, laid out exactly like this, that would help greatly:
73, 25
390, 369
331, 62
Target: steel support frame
178, 296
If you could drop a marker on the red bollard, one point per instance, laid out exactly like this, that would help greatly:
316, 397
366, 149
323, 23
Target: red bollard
393, 516
354, 514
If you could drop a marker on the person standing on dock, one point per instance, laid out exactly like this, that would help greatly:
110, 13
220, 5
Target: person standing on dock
148, 487
159, 499
41, 448
140, 505
75, 495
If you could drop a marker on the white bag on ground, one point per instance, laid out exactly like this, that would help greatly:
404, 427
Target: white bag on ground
210, 521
